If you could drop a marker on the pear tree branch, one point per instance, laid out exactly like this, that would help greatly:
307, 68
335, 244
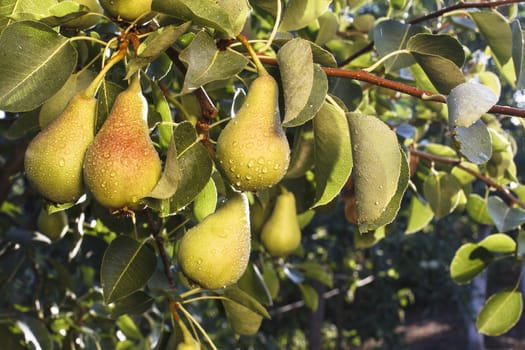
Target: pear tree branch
457, 163
362, 75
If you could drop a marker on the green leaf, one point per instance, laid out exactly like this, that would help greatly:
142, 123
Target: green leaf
477, 209
35, 62
136, 303
242, 320
304, 85
163, 109
467, 102
310, 297
252, 282
333, 155
500, 313
227, 16
194, 163
441, 190
300, 13
302, 157
35, 333
499, 243
207, 64
475, 142
23, 125
392, 35
206, 201
154, 45
107, 94
239, 296
504, 217
169, 180
518, 57
317, 272
12, 11
126, 267
328, 26
441, 57
419, 215
496, 31
129, 328
271, 279
469, 260
377, 169
391, 210
441, 45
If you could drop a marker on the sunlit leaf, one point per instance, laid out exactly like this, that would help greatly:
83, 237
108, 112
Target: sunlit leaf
299, 13
475, 142
467, 102
441, 190
497, 32
498, 243
420, 215
500, 313
332, 152
469, 260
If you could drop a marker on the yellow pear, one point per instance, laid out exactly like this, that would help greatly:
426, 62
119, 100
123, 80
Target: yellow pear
121, 165
252, 149
281, 234
215, 253
53, 159
53, 225
188, 342
128, 10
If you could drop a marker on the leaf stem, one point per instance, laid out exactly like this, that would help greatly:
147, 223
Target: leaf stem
199, 327
274, 29
384, 58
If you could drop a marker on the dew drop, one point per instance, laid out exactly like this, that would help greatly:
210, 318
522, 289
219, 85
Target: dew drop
260, 160
248, 177
276, 166
376, 203
251, 163
264, 170
62, 162
238, 184
199, 261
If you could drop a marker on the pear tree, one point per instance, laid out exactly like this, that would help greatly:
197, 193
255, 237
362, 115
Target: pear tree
167, 166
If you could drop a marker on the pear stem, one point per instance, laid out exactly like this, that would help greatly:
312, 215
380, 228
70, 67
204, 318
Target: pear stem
260, 68
92, 89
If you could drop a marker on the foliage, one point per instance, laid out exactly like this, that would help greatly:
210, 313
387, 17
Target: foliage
399, 118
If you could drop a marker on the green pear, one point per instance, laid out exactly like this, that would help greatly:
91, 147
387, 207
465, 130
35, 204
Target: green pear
128, 10
215, 253
252, 149
121, 165
53, 225
53, 159
281, 234
188, 342
89, 19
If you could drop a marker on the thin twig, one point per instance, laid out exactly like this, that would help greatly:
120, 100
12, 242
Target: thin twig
457, 163
462, 5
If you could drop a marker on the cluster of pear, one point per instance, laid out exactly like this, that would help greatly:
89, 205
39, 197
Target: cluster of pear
253, 154
119, 165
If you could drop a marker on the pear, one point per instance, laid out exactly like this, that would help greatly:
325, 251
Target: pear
53, 159
281, 234
215, 253
188, 342
121, 165
53, 225
252, 149
127, 9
